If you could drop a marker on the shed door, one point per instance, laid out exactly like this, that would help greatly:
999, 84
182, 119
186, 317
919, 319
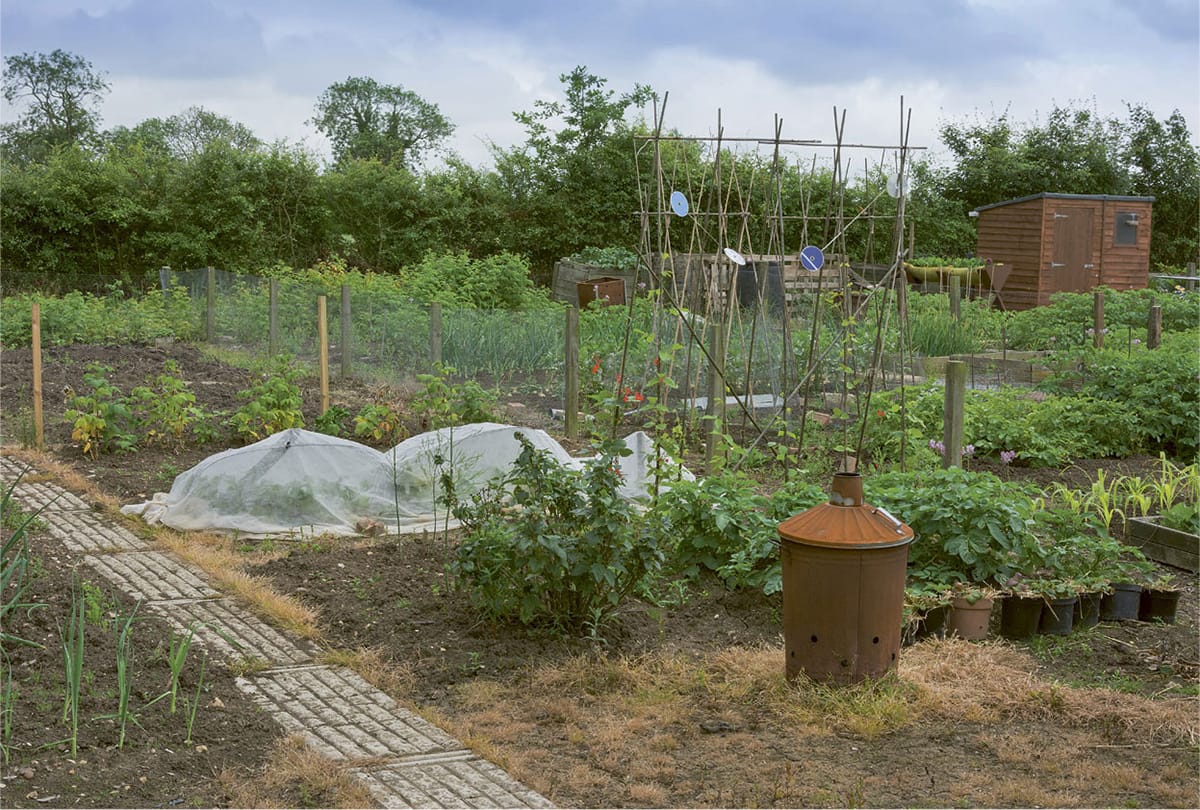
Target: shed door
1072, 268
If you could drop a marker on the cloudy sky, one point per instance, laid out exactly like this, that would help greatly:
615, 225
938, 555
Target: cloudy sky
263, 63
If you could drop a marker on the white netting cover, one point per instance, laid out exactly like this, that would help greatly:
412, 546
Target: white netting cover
297, 481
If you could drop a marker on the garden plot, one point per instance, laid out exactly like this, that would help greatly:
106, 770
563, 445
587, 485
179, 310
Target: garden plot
300, 483
680, 699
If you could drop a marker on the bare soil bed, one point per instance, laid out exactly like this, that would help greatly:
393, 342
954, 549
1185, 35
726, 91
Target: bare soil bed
676, 705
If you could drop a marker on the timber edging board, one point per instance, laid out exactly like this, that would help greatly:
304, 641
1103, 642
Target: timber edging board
1165, 545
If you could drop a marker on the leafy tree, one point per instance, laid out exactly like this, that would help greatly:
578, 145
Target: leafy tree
61, 91
378, 212
186, 135
466, 207
1075, 152
1075, 149
574, 186
367, 120
940, 223
71, 220
1163, 163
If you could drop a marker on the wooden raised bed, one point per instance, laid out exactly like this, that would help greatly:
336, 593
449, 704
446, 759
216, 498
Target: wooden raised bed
1165, 545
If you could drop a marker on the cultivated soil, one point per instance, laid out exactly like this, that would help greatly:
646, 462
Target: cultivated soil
683, 704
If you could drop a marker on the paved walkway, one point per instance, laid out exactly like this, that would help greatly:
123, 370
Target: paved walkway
413, 762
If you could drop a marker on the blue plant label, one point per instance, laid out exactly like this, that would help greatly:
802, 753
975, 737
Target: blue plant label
812, 259
679, 203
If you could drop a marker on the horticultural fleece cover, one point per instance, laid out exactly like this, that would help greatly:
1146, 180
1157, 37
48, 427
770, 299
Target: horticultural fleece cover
300, 482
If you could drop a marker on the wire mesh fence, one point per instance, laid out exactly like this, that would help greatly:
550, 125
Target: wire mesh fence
379, 334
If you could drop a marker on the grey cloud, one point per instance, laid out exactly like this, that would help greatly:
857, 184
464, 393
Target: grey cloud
166, 39
1171, 19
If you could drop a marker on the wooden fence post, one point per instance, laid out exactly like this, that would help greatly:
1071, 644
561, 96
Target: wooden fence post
1098, 319
346, 333
39, 425
435, 334
1154, 327
716, 387
952, 431
956, 298
273, 317
323, 352
571, 395
210, 310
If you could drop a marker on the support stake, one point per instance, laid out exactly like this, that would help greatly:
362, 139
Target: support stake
435, 334
347, 354
273, 317
39, 426
210, 309
571, 395
323, 344
952, 432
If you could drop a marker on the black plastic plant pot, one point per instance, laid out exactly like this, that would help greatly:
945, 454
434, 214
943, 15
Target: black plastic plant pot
1058, 616
1087, 610
1122, 603
1158, 606
1020, 616
933, 623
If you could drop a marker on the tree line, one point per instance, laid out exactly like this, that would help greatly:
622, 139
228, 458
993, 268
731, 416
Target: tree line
83, 206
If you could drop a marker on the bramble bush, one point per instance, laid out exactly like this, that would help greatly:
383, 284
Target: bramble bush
501, 281
273, 404
102, 420
444, 403
79, 317
549, 545
168, 410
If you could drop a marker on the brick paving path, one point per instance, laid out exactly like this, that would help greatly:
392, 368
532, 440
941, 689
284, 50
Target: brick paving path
413, 762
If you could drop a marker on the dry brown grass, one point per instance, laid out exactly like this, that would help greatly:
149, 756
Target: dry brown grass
627, 727
396, 680
295, 776
989, 682
53, 470
215, 555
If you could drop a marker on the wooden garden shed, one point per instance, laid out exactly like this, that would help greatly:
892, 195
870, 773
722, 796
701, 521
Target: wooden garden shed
1065, 243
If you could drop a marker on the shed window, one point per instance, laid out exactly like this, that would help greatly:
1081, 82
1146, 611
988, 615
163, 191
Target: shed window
1125, 232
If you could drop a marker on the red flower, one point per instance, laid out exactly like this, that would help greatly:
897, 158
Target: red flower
880, 414
596, 367
637, 397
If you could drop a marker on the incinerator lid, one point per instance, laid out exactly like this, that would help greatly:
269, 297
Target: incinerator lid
845, 521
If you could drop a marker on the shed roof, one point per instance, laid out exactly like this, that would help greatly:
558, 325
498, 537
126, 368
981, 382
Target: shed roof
1053, 196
